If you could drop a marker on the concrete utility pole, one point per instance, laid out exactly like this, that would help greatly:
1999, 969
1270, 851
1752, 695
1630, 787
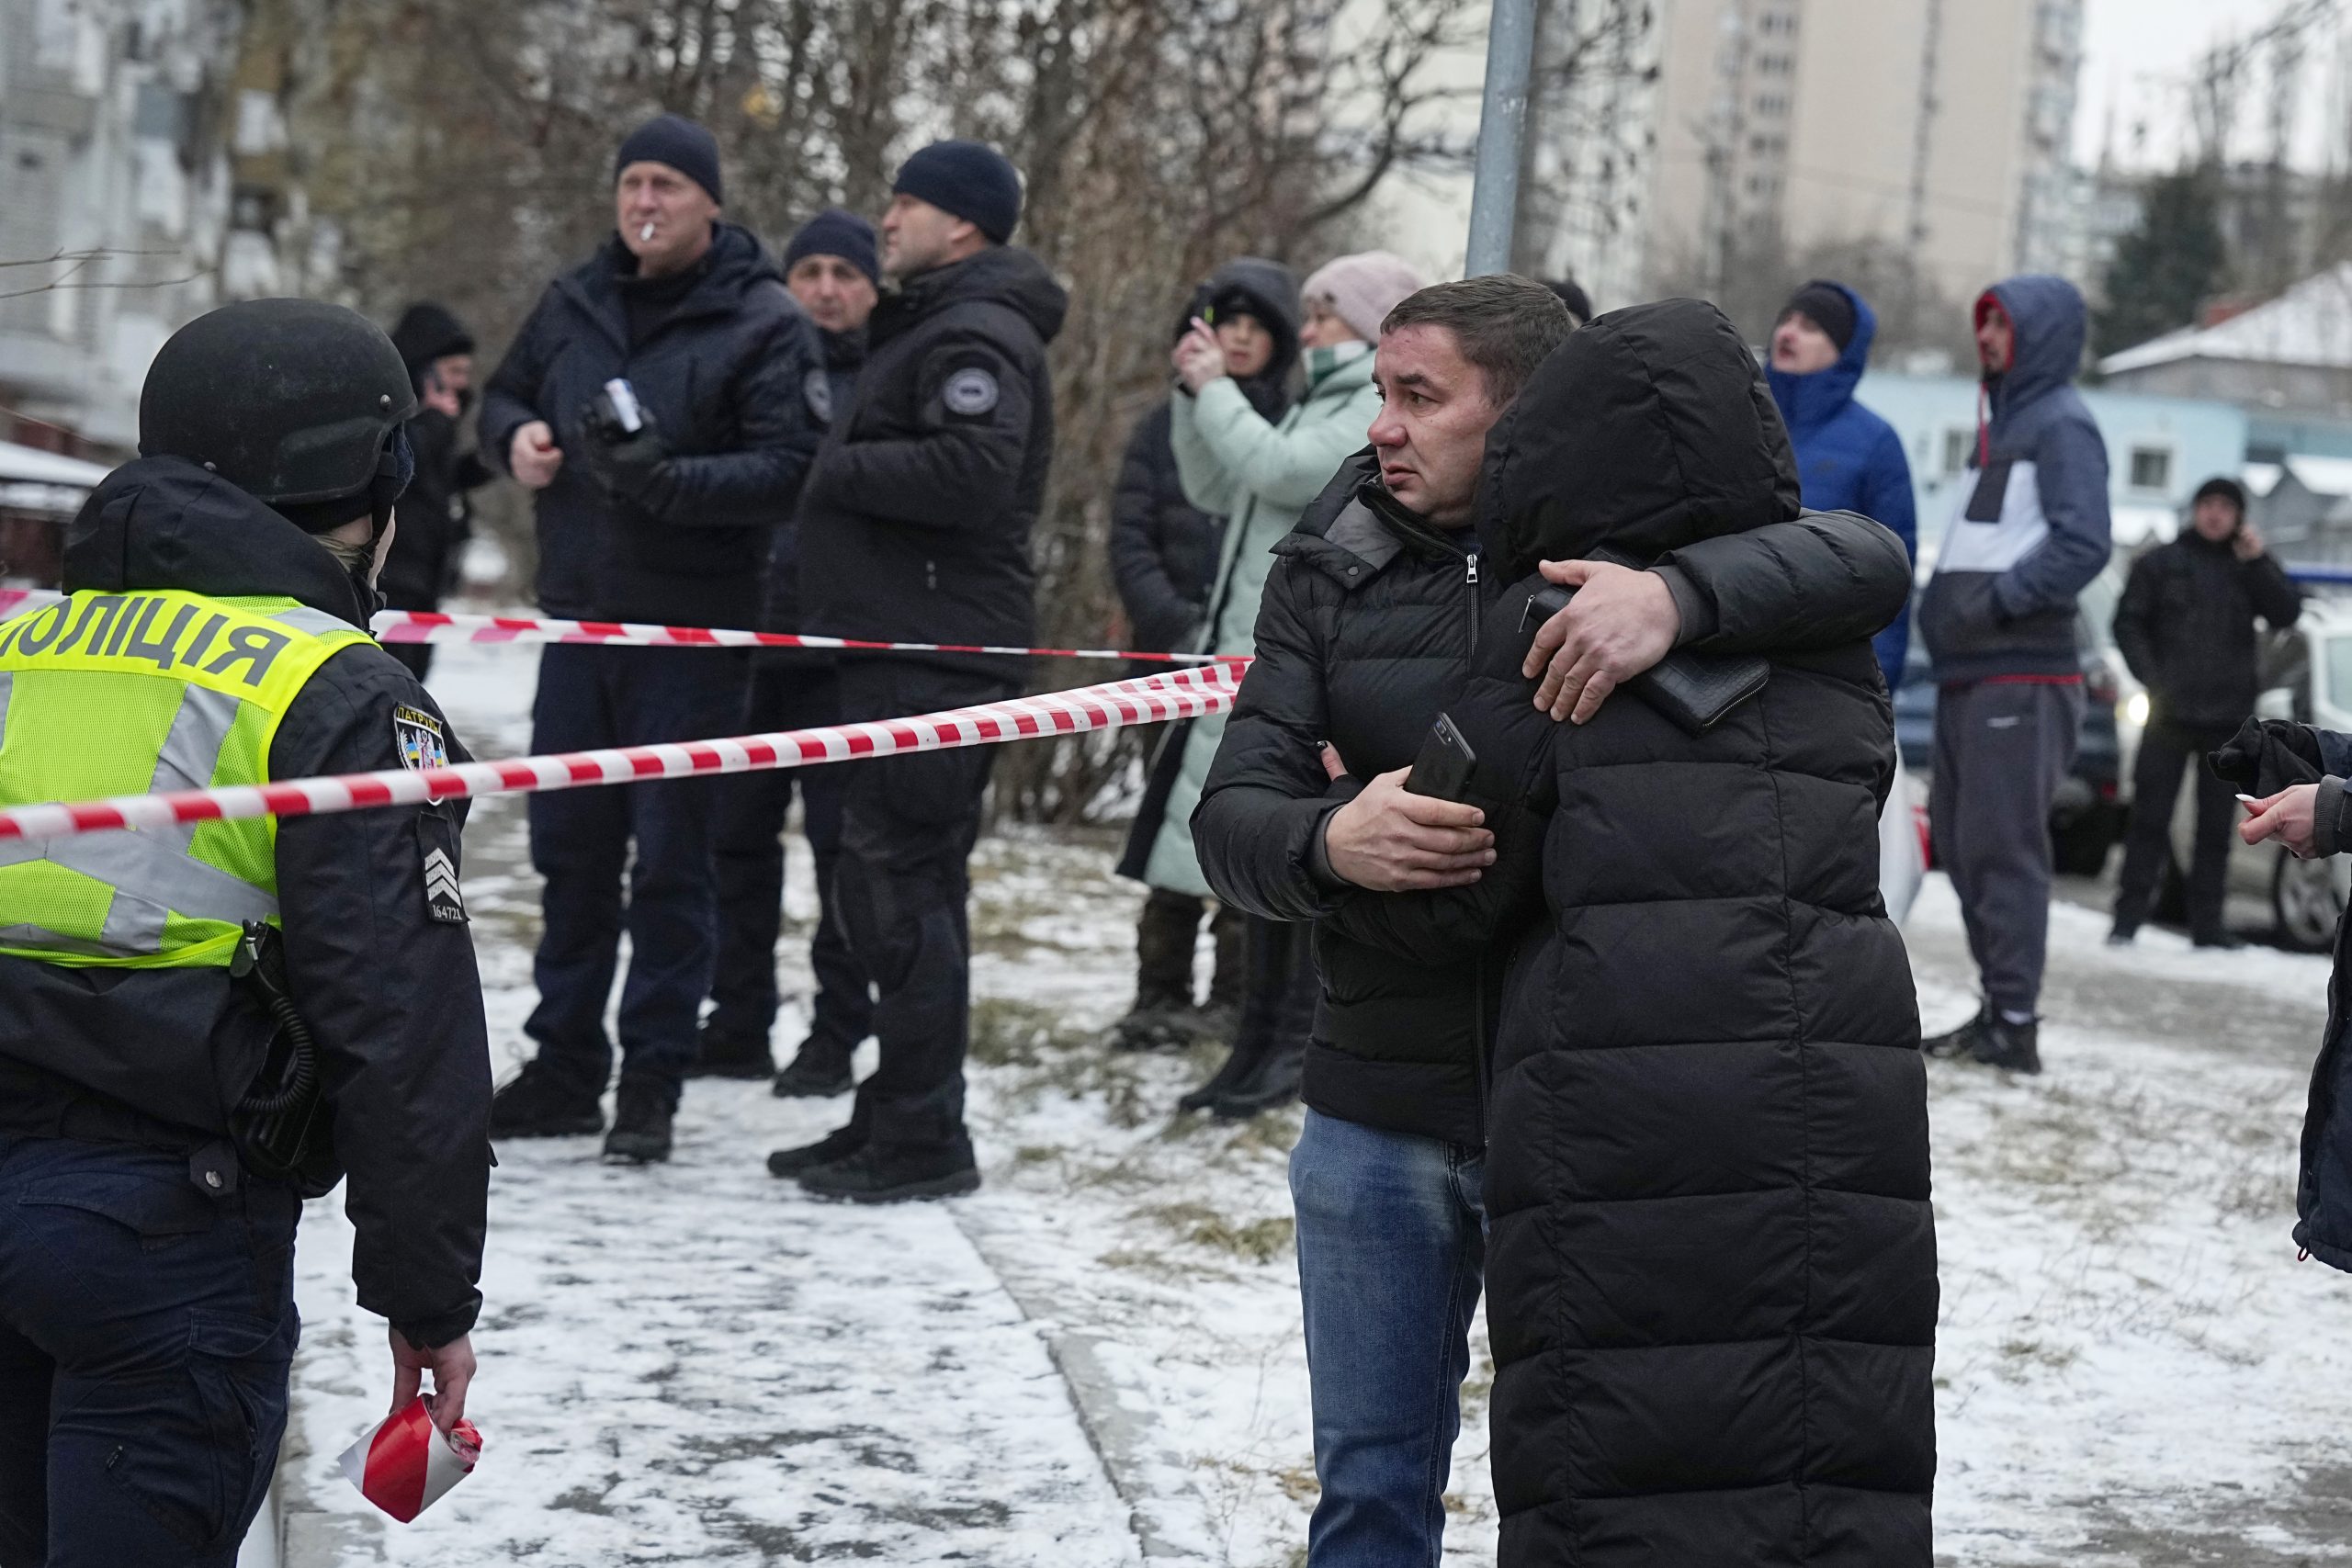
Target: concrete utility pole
1502, 125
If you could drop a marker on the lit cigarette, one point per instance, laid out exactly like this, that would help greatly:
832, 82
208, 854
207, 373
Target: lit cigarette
646, 232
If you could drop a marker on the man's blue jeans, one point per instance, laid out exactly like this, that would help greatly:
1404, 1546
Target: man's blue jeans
146, 1336
1392, 1245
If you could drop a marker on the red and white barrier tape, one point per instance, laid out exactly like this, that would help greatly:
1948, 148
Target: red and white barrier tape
433, 626
429, 626
1143, 699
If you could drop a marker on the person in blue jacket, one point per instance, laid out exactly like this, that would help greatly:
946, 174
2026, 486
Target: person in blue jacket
1848, 459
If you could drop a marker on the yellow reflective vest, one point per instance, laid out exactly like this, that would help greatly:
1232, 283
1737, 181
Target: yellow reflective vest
128, 693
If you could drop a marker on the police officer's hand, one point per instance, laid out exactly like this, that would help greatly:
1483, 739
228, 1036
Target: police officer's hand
452, 1366
534, 456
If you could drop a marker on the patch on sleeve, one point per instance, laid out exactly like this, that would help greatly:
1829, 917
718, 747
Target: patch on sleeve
437, 843
970, 393
418, 735
818, 389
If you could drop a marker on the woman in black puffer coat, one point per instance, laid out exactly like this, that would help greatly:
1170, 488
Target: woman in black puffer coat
1712, 1261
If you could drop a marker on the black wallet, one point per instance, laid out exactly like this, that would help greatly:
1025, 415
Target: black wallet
1696, 690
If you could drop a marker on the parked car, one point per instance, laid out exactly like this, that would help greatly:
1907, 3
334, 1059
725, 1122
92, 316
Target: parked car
2086, 817
2307, 677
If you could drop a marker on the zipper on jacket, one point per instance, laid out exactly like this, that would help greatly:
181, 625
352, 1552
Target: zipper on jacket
1470, 579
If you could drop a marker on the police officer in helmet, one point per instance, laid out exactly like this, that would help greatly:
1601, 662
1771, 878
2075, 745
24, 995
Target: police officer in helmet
199, 1027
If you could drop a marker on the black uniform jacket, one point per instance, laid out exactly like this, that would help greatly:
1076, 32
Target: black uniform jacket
1370, 618
915, 522
390, 993
724, 371
2186, 627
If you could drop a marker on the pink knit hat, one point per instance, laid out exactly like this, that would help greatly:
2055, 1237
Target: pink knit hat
1363, 288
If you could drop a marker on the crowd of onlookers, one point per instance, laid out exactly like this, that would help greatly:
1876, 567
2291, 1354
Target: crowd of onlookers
1588, 999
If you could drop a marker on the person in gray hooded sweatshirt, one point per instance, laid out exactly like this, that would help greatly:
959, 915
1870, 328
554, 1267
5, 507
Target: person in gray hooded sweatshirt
2030, 532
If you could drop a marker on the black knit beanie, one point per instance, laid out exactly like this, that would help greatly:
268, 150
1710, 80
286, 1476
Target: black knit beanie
1826, 305
834, 232
970, 179
2229, 490
674, 140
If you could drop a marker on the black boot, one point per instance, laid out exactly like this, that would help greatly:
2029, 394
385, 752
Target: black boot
886, 1173
1164, 937
819, 1071
1272, 955
2013, 1047
1229, 927
721, 1055
1273, 1083
542, 1103
1960, 1042
1274, 1080
833, 1147
641, 1134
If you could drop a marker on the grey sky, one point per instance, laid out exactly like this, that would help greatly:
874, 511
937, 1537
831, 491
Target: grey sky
2137, 55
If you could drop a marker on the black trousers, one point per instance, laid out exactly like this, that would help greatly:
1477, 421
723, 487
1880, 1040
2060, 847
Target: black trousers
788, 690
2165, 751
591, 697
903, 886
146, 1336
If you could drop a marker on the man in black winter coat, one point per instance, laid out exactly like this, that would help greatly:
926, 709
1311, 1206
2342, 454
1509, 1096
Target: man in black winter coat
2186, 626
832, 269
914, 527
436, 518
669, 522
148, 1324
1371, 619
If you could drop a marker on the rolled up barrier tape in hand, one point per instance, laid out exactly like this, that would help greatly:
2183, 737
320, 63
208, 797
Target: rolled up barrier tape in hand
1189, 692
433, 626
407, 1464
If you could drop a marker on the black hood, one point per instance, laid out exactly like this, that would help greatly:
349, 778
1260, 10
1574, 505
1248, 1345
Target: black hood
159, 523
1648, 430
1272, 292
1003, 275
427, 332
1268, 291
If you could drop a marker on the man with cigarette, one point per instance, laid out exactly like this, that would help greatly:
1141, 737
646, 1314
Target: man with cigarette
656, 402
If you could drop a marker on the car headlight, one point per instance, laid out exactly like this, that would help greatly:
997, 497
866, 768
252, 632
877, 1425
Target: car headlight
2135, 708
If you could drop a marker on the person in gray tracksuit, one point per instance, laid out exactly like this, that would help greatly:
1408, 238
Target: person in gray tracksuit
2030, 532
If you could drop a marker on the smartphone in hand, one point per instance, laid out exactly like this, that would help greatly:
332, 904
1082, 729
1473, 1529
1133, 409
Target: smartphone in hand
1442, 770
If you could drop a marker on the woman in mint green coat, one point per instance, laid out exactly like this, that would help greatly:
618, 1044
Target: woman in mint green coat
1261, 475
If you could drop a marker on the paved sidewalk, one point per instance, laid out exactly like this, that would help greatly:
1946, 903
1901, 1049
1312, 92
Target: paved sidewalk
694, 1363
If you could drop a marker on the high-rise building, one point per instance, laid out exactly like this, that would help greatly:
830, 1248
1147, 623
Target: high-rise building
111, 204
1748, 128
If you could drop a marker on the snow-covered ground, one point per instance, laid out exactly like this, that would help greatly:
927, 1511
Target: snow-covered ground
1097, 1358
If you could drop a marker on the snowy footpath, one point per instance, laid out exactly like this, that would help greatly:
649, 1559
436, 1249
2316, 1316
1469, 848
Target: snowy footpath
1096, 1359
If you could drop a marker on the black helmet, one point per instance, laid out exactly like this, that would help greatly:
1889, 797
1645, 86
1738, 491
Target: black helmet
291, 400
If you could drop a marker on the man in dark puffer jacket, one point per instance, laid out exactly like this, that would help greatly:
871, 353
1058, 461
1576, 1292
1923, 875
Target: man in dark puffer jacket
1369, 623
1714, 1259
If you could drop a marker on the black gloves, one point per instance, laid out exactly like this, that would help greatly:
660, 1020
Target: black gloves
632, 467
2268, 755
